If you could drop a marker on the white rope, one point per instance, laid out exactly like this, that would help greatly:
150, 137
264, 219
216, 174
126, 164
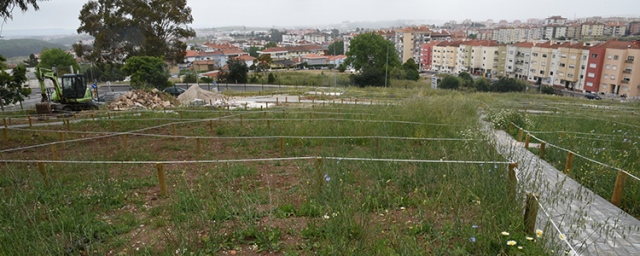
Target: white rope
555, 226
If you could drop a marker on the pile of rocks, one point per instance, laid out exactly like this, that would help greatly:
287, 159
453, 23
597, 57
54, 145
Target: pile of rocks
139, 99
199, 97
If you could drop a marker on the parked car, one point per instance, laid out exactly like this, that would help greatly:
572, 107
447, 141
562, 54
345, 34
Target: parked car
592, 96
175, 91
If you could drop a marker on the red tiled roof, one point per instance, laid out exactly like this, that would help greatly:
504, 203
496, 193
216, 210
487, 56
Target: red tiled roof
201, 53
336, 57
314, 56
615, 44
245, 58
233, 51
524, 44
203, 62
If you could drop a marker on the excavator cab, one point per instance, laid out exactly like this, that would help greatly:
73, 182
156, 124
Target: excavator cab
74, 86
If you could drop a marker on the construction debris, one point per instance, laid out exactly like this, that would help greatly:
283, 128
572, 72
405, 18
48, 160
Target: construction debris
139, 99
196, 96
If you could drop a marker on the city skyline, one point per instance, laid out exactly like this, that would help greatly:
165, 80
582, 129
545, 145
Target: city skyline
63, 14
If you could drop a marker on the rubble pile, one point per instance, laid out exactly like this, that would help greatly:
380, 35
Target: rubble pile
139, 99
199, 97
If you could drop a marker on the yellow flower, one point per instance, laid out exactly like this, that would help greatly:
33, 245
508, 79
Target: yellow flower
505, 233
539, 233
511, 243
529, 238
562, 237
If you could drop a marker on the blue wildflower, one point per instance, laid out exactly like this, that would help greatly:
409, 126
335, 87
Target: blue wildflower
472, 239
327, 178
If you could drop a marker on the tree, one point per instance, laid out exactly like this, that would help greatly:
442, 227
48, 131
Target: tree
32, 61
336, 48
6, 8
147, 71
467, 80
276, 36
342, 68
58, 58
263, 62
271, 79
253, 51
12, 88
189, 78
449, 82
411, 70
269, 45
472, 36
125, 28
509, 85
547, 90
237, 71
371, 54
483, 84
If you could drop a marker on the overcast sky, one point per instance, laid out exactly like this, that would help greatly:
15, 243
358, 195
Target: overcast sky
63, 14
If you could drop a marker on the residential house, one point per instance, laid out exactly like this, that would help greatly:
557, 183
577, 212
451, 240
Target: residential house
540, 70
317, 38
574, 31
615, 29
555, 20
336, 60
290, 52
554, 32
216, 56
315, 59
571, 61
246, 58
444, 56
619, 70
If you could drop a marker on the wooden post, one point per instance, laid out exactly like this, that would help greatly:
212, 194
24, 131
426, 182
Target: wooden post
283, 114
341, 101
511, 127
526, 141
30, 122
513, 180
124, 141
569, 163
211, 125
268, 124
109, 115
319, 176
276, 101
68, 125
180, 114
240, 119
54, 151
199, 146
264, 113
245, 105
93, 117
113, 126
175, 132
5, 123
542, 146
5, 135
43, 172
62, 139
281, 147
162, 179
286, 99
356, 102
520, 135
371, 103
530, 214
616, 198
561, 133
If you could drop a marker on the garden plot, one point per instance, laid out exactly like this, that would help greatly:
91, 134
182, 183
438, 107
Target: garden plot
411, 179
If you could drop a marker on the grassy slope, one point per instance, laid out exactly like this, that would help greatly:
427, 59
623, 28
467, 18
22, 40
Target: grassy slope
23, 47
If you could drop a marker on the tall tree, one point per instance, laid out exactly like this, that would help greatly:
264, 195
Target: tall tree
237, 71
372, 55
32, 61
125, 28
269, 45
147, 71
253, 51
12, 88
58, 58
7, 7
411, 70
336, 48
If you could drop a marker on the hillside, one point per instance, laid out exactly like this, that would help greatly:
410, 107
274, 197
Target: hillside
23, 47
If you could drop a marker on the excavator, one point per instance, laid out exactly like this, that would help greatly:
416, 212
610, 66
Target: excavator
72, 95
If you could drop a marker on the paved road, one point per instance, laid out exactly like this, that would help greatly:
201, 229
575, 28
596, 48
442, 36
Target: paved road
592, 225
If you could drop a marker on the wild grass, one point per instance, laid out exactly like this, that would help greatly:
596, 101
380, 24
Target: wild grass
292, 207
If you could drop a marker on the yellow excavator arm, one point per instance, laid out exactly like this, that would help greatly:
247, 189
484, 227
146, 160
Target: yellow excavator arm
44, 73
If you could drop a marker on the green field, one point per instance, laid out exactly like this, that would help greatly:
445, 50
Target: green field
359, 198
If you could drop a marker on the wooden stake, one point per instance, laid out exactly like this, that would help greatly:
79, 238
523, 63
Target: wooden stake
341, 101
526, 141
245, 106
276, 101
93, 117
175, 132
162, 179
286, 99
268, 123
5, 135
513, 180
542, 146
30, 122
281, 147
113, 126
68, 125
561, 133
616, 198
54, 151
199, 146
124, 142
43, 172
569, 163
211, 125
62, 140
510, 127
283, 114
319, 176
530, 214
520, 135
109, 115
5, 123
180, 114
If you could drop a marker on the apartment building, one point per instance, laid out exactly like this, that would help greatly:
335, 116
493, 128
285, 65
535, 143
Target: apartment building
574, 31
540, 65
571, 61
290, 52
591, 30
426, 51
613, 68
444, 56
522, 52
615, 29
409, 40
481, 57
554, 32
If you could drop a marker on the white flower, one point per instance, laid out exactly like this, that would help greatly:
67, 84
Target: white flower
562, 237
511, 243
539, 233
326, 217
505, 233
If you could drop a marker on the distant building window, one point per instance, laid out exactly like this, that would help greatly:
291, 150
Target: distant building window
604, 86
615, 57
595, 56
542, 72
609, 56
589, 84
607, 66
570, 75
591, 74
573, 57
592, 65
614, 67
572, 66
544, 55
606, 76
562, 65
613, 77
563, 56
